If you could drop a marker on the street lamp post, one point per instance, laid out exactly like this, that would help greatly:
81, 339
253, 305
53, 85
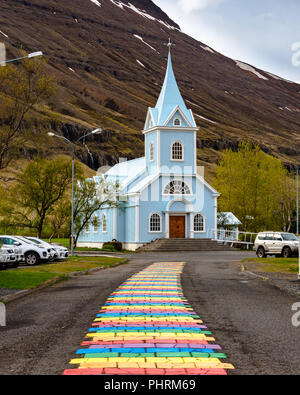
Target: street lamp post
31, 55
73, 146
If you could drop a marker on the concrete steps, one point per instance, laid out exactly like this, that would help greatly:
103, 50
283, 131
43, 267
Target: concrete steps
171, 245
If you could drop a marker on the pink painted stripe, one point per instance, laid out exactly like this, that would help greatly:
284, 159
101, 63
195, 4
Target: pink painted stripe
144, 342
148, 324
128, 310
154, 372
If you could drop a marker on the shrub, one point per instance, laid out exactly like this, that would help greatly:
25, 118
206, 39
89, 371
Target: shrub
113, 246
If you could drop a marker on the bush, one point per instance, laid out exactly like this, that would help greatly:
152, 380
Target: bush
113, 246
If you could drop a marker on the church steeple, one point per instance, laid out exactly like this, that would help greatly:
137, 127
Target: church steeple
170, 100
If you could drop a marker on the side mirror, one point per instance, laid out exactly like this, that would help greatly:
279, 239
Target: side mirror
16, 243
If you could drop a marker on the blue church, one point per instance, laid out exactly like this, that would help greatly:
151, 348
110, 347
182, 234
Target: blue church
164, 194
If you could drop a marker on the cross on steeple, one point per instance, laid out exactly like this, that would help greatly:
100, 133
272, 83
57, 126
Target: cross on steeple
170, 45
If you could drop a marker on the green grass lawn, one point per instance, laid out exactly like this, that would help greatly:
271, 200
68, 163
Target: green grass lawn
30, 277
275, 265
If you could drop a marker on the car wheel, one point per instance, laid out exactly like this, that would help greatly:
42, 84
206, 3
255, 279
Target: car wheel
261, 252
2, 266
31, 258
286, 252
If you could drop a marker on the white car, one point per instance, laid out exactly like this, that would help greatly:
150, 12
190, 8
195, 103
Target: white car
52, 251
276, 243
31, 253
60, 252
8, 257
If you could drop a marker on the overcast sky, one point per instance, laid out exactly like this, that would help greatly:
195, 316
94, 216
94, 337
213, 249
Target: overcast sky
259, 32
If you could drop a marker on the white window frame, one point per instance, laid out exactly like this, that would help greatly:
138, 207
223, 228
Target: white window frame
160, 222
204, 223
104, 221
151, 152
177, 194
182, 148
177, 119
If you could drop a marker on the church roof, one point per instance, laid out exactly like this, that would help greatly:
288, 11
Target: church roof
231, 219
170, 98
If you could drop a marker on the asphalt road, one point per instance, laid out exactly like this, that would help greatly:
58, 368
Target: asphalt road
249, 318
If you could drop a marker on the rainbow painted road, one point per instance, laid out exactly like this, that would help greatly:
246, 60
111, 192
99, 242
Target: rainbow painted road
147, 327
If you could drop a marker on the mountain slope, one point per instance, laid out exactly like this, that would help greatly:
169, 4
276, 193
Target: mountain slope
109, 59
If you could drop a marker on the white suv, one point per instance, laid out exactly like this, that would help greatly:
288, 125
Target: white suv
8, 257
32, 253
276, 243
57, 252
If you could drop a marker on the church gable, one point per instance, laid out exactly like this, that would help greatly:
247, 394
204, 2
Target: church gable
177, 119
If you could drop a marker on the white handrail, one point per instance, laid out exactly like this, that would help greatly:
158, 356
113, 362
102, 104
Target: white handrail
232, 236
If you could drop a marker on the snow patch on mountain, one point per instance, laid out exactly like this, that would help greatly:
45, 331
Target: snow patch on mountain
144, 42
246, 67
118, 4
142, 13
140, 63
5, 35
205, 119
207, 49
96, 2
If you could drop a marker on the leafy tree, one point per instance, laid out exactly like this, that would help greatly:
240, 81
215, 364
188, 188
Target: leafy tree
41, 186
59, 219
22, 89
89, 198
256, 188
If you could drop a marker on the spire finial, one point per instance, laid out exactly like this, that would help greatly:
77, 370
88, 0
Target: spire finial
170, 45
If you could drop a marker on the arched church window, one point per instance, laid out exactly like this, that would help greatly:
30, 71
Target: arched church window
104, 224
199, 223
177, 187
177, 151
177, 122
155, 223
95, 223
151, 152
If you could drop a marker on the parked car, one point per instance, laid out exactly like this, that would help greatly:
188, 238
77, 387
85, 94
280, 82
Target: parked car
8, 257
31, 253
276, 243
62, 251
59, 252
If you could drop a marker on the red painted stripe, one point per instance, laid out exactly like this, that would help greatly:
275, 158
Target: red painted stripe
157, 372
152, 341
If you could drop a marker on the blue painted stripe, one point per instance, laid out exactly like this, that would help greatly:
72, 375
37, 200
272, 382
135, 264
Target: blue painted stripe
142, 350
147, 315
152, 330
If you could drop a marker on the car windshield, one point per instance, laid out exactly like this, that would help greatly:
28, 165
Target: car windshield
33, 240
289, 237
23, 240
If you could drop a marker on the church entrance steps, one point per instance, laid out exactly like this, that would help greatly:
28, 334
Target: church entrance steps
169, 245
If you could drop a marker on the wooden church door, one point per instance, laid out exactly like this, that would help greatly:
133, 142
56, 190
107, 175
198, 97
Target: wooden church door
177, 227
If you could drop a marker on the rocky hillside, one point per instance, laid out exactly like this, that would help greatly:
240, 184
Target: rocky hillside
109, 59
